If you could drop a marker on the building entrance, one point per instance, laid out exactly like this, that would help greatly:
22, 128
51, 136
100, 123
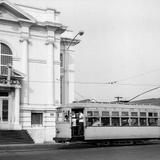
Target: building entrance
4, 110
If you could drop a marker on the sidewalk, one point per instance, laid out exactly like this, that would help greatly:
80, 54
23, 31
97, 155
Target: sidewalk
6, 147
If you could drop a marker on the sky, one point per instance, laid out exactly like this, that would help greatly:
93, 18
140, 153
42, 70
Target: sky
121, 44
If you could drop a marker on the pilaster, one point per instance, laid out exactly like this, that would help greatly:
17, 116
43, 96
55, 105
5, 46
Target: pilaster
24, 40
57, 70
50, 52
69, 76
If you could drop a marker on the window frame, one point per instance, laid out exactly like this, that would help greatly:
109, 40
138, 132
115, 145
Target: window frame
41, 119
6, 58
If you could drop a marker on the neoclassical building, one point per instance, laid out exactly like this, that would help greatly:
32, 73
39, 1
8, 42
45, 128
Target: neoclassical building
36, 69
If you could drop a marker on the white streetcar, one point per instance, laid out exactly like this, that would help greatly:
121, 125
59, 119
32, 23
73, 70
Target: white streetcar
107, 123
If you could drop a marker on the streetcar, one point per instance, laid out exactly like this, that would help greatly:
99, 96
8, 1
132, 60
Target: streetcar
107, 123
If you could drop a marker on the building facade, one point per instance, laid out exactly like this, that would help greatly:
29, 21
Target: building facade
36, 69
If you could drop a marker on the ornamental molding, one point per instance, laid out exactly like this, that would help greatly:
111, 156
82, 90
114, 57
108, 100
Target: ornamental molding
38, 61
49, 41
22, 39
56, 62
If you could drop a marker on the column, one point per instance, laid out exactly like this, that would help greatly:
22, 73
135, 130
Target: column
17, 109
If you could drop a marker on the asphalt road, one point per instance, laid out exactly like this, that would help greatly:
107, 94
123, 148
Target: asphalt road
83, 152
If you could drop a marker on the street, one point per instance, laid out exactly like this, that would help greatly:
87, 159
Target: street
83, 152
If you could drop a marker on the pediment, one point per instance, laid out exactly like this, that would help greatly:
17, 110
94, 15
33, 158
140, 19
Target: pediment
11, 12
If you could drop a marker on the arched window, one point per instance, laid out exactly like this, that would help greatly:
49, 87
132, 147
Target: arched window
5, 58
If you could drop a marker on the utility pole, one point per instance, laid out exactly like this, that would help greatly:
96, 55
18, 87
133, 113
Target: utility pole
118, 98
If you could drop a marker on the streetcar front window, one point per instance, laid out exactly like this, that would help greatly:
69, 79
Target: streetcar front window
62, 116
66, 116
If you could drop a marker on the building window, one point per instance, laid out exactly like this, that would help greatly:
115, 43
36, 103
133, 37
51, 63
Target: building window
61, 60
36, 118
61, 89
5, 58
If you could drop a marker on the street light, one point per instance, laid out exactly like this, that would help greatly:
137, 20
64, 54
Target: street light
79, 33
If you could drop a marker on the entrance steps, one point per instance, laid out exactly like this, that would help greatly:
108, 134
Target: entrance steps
15, 137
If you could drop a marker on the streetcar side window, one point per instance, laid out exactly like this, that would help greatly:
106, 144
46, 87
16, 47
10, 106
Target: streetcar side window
125, 119
93, 118
143, 119
94, 121
115, 118
89, 114
153, 119
134, 114
134, 119
105, 119
105, 114
115, 114
115, 121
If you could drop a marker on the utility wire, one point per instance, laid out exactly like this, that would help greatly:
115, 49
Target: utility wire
137, 75
98, 83
144, 93
80, 95
115, 82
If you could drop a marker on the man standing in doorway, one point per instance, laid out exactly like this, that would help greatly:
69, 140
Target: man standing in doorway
81, 124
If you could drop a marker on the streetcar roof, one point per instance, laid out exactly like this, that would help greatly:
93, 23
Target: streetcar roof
108, 105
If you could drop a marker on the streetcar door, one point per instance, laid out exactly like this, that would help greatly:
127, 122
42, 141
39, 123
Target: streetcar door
77, 124
63, 123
